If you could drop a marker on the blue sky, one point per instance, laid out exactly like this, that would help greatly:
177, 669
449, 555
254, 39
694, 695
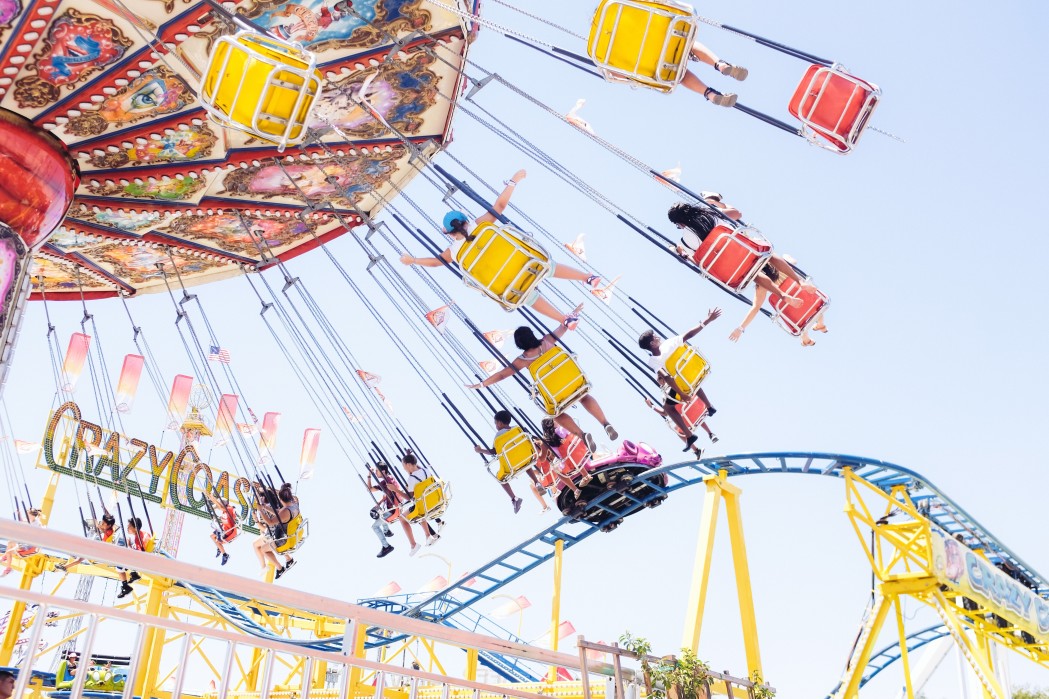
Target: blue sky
930, 250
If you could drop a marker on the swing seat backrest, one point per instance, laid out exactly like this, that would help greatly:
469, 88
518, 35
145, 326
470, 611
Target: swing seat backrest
797, 319
694, 411
63, 680
557, 381
688, 368
261, 85
515, 452
576, 459
504, 264
834, 105
731, 256
429, 499
296, 531
642, 41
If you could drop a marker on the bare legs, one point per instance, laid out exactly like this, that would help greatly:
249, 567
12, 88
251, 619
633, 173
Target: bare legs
704, 55
594, 408
544, 307
819, 327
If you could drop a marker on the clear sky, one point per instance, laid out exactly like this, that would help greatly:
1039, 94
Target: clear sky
930, 250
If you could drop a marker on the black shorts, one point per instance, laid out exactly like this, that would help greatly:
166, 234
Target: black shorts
674, 397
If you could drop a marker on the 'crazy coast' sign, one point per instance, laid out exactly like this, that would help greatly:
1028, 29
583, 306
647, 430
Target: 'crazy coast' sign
178, 481
976, 578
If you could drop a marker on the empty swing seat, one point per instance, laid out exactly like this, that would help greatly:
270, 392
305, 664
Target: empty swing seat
694, 411
430, 500
644, 42
557, 381
515, 452
295, 533
797, 319
688, 368
731, 256
262, 86
833, 106
504, 264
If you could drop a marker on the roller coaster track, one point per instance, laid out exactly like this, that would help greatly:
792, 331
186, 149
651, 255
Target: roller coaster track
891, 653
452, 605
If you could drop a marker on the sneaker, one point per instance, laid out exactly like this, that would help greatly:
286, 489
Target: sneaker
590, 443
225, 557
571, 322
713, 438
722, 100
711, 411
735, 72
438, 525
289, 564
691, 441
593, 281
611, 432
517, 505
125, 590
133, 577
387, 533
385, 551
218, 552
61, 567
415, 550
7, 571
280, 572
431, 540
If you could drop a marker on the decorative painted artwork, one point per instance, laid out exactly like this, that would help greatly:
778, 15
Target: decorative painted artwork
180, 145
9, 12
241, 236
76, 46
153, 93
174, 189
325, 25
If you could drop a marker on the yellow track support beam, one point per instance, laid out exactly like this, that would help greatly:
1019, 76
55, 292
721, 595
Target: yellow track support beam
32, 567
555, 605
717, 489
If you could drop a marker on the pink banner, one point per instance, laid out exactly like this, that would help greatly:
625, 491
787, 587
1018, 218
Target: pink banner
179, 398
310, 439
127, 385
226, 419
270, 423
76, 355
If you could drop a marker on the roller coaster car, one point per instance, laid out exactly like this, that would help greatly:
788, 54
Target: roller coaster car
619, 473
732, 256
262, 86
688, 368
833, 106
643, 42
295, 534
431, 499
557, 381
515, 452
504, 264
694, 411
797, 319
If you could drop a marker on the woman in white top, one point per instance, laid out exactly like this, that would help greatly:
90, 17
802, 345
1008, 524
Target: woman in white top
457, 226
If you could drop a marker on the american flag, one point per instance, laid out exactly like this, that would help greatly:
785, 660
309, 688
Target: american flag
218, 354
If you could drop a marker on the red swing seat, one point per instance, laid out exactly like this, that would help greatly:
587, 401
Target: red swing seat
797, 319
694, 411
833, 106
731, 257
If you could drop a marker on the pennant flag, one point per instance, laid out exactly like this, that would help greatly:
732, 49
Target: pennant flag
23, 447
605, 294
497, 337
127, 385
226, 418
596, 656
563, 675
512, 607
248, 428
575, 120
469, 583
351, 416
577, 248
310, 439
76, 355
270, 423
218, 354
385, 401
438, 318
96, 450
564, 630
673, 174
390, 588
178, 401
369, 378
489, 366
437, 584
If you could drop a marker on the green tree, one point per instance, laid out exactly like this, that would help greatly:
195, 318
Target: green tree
1024, 692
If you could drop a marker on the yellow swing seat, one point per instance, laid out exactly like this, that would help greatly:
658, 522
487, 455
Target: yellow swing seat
646, 42
504, 264
557, 381
515, 452
430, 500
262, 86
688, 368
296, 532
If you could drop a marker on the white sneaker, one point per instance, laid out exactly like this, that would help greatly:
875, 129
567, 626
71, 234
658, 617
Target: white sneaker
415, 550
431, 540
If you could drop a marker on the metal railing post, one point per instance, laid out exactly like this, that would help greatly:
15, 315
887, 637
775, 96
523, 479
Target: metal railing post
89, 640
180, 675
132, 668
227, 670
25, 671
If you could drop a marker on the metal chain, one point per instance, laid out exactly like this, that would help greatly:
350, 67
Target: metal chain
886, 133
488, 23
539, 18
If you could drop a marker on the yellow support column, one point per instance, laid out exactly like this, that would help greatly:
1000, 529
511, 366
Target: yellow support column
697, 595
904, 656
472, 662
152, 642
32, 567
555, 614
358, 641
855, 672
744, 592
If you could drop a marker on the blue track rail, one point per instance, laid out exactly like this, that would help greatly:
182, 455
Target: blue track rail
891, 653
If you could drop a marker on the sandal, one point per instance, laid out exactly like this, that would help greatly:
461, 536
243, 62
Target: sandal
736, 72
590, 443
571, 322
721, 100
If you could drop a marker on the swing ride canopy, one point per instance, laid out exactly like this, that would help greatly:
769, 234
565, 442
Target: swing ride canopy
163, 184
